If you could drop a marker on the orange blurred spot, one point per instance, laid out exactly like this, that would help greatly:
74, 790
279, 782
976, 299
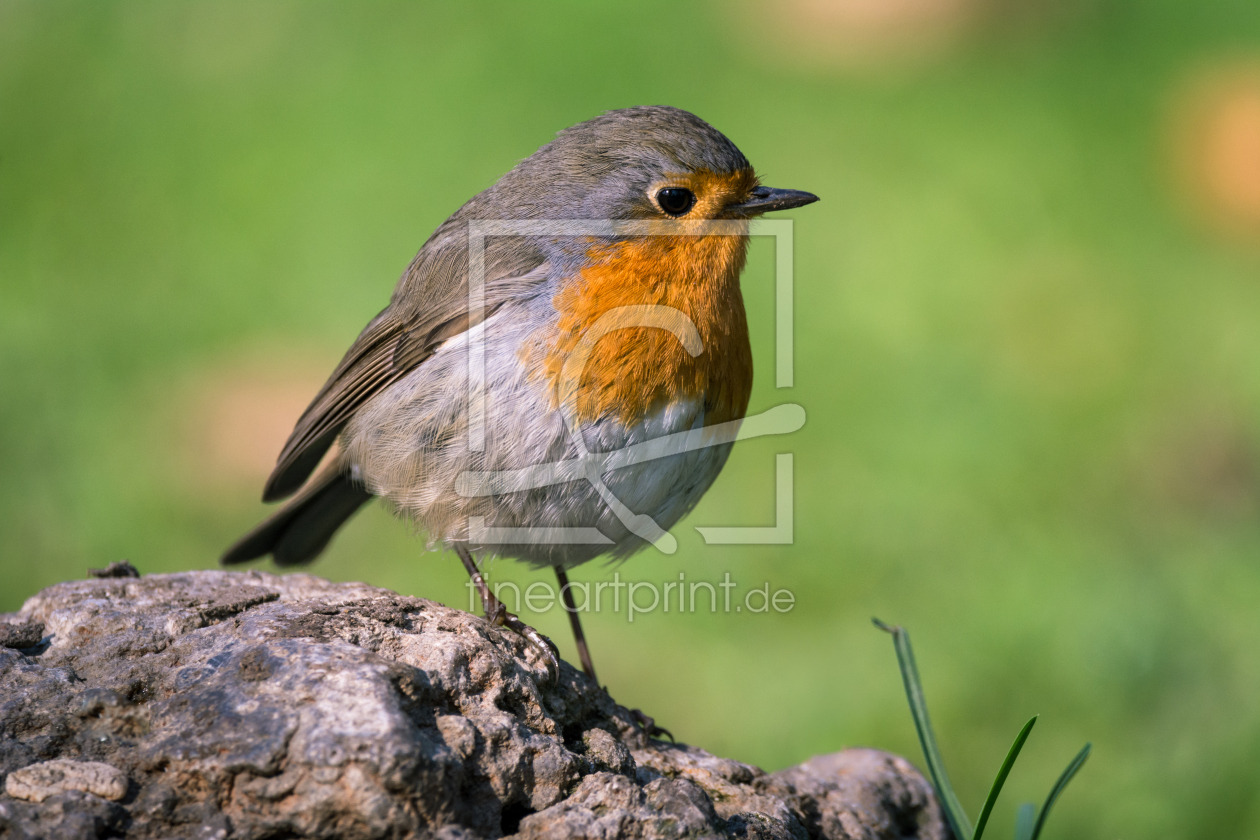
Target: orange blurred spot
870, 20
1218, 145
1232, 154
857, 33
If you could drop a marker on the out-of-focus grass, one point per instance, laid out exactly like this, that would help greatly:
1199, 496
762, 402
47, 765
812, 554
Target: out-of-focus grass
1032, 378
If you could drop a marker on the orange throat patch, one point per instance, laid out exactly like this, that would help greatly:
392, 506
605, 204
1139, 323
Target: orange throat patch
648, 322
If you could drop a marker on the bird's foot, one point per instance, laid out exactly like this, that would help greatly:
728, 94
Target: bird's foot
538, 641
649, 727
498, 615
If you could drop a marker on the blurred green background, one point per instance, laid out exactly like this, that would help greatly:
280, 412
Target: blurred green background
1027, 337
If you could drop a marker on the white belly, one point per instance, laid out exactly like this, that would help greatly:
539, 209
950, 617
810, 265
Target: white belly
411, 443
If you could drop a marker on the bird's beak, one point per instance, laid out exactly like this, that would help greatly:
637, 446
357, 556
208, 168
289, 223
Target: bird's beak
765, 199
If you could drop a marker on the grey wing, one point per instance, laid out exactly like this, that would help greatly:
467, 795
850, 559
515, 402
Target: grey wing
429, 305
387, 350
366, 368
384, 353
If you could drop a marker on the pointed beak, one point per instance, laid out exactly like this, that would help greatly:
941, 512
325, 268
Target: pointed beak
765, 199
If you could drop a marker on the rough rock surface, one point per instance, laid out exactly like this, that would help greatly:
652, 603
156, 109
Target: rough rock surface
37, 782
246, 705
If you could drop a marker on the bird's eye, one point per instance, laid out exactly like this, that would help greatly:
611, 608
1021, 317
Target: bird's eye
675, 201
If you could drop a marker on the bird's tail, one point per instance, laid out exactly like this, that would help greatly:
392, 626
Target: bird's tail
300, 530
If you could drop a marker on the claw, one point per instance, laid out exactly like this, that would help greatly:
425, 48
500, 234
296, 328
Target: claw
498, 615
649, 727
539, 642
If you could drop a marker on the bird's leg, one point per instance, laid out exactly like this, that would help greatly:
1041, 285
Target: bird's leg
497, 614
566, 593
491, 605
579, 637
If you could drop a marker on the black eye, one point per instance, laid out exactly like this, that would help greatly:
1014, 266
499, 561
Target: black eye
675, 200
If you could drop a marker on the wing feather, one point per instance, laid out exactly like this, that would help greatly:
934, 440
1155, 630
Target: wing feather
365, 371
385, 352
429, 306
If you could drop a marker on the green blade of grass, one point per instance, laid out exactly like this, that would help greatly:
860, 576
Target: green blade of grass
1058, 789
1000, 779
1024, 821
927, 739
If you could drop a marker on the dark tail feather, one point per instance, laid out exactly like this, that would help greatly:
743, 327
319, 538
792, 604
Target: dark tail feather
300, 530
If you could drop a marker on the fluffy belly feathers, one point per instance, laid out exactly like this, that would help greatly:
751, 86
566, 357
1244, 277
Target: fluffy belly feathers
407, 443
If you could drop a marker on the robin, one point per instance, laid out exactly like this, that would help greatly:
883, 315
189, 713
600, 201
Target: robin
543, 347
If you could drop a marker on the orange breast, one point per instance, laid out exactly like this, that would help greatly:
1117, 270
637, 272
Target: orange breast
632, 371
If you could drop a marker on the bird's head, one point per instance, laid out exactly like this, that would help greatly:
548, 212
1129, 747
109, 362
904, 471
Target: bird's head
646, 163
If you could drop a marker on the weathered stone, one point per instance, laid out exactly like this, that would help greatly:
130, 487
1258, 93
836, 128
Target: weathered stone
251, 705
604, 752
37, 782
21, 635
68, 815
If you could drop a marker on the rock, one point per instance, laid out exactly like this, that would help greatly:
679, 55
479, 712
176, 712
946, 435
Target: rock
37, 782
20, 635
72, 814
247, 705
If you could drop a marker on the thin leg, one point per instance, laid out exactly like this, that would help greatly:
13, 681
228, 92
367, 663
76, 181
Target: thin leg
646, 723
497, 614
490, 604
579, 637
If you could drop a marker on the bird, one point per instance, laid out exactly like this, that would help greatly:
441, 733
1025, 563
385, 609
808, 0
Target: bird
563, 339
